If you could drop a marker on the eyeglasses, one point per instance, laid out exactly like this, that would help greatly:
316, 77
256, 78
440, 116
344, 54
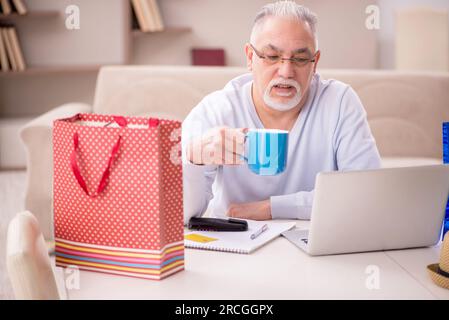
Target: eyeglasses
275, 58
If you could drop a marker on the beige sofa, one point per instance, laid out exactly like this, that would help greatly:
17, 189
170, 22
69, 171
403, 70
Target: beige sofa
405, 112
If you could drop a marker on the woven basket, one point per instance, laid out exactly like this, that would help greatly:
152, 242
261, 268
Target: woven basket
435, 270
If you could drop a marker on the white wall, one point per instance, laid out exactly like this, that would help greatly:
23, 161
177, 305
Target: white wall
102, 37
387, 26
344, 40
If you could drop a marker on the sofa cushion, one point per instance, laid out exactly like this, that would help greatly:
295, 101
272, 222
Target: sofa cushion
405, 109
132, 90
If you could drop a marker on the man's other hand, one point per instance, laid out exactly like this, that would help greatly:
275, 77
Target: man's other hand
259, 210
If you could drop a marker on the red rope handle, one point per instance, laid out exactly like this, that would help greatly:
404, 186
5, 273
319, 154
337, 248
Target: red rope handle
106, 173
122, 122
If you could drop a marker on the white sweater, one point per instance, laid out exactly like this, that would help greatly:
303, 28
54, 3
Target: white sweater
331, 133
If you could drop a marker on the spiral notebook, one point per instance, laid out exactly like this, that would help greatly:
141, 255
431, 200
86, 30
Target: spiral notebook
237, 242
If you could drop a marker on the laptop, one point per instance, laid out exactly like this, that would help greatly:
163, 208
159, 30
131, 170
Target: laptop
373, 210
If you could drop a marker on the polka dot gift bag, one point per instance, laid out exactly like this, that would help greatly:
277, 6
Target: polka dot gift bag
118, 195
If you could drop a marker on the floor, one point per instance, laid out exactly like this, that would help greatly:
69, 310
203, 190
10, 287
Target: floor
12, 193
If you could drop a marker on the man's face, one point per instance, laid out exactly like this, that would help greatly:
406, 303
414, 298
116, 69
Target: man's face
282, 85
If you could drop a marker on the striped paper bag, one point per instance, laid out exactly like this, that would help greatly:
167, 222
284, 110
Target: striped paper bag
118, 205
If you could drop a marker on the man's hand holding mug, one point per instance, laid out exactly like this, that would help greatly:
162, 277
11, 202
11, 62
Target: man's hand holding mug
264, 150
218, 146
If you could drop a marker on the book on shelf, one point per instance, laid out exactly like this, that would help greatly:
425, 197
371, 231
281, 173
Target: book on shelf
9, 50
159, 25
208, 57
20, 7
16, 49
148, 15
3, 55
138, 11
6, 7
11, 55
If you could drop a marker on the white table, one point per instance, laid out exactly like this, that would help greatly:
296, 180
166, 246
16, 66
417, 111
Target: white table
279, 270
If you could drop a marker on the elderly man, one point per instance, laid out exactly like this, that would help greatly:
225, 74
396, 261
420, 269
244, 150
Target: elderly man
326, 121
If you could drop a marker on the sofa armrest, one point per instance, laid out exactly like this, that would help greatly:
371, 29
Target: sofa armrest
37, 138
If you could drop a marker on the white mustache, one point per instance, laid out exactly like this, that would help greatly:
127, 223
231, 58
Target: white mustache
285, 82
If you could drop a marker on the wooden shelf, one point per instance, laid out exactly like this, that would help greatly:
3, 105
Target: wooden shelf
39, 71
139, 33
30, 14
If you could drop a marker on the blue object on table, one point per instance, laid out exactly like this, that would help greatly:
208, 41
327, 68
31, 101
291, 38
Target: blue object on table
446, 160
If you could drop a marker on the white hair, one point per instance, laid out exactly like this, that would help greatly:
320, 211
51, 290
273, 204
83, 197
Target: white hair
286, 9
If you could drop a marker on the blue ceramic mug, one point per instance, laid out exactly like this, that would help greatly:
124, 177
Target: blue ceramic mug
266, 151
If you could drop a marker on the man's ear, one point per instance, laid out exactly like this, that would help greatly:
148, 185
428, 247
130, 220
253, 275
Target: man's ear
249, 57
317, 58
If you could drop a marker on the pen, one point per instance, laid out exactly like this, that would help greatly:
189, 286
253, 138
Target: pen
258, 232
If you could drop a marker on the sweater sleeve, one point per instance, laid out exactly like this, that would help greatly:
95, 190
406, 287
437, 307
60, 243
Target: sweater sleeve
292, 206
197, 179
354, 145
